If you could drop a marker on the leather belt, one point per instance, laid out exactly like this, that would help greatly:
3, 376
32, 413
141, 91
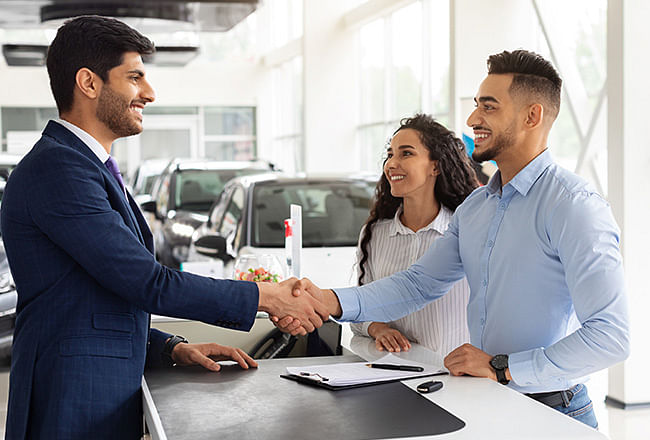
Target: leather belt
554, 398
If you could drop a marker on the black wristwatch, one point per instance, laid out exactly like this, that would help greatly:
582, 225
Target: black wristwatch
169, 347
500, 363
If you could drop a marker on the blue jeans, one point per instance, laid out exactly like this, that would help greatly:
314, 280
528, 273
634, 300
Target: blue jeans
581, 408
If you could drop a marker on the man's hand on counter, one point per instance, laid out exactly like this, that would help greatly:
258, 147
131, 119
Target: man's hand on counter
207, 355
471, 361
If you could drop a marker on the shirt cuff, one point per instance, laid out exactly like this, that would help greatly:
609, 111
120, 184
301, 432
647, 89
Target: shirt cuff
521, 368
532, 368
349, 301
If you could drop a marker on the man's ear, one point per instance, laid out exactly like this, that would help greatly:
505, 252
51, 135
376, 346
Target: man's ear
88, 83
535, 115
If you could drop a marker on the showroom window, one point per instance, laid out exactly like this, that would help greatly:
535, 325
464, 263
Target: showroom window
22, 126
286, 21
287, 149
573, 35
229, 133
403, 69
281, 38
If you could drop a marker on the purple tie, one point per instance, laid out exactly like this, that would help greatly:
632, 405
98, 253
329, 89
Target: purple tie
111, 164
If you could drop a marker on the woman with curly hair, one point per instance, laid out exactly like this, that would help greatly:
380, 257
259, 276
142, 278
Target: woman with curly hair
426, 175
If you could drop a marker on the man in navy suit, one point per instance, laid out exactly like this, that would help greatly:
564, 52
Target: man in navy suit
82, 257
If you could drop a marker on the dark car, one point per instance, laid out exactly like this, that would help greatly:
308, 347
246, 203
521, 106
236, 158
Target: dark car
8, 300
182, 197
249, 219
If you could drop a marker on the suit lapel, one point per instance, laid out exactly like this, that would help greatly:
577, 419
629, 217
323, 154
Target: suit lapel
143, 228
120, 203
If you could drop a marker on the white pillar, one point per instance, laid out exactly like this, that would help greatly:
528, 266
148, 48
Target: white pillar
330, 88
628, 166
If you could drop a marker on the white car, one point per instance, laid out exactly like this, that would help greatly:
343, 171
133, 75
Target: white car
249, 219
145, 175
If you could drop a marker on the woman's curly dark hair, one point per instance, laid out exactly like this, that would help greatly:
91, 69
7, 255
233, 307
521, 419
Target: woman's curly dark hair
456, 180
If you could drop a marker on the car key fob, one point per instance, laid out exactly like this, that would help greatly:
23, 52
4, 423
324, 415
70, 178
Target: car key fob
429, 387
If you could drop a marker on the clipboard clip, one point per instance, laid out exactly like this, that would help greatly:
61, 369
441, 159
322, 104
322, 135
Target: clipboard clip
313, 376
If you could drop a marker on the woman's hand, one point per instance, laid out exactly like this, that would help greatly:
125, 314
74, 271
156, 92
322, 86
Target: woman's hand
388, 338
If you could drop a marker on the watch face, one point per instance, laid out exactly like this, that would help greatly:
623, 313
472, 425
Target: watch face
499, 362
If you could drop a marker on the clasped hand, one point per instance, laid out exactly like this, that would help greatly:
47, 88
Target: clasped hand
292, 311
304, 291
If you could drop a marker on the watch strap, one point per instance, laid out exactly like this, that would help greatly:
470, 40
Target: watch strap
501, 376
169, 348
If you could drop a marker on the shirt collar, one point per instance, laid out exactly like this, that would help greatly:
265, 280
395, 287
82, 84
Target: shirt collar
87, 139
438, 224
525, 178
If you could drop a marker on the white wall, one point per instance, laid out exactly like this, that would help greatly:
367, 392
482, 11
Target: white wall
330, 94
192, 85
24, 87
207, 84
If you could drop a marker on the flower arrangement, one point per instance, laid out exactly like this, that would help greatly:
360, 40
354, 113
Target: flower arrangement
259, 274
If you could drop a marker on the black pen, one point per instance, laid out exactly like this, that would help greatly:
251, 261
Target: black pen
396, 367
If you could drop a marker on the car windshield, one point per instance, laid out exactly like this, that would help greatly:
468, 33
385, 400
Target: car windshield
332, 212
148, 184
196, 190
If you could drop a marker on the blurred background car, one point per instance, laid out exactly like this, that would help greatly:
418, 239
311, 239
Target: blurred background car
7, 163
249, 219
8, 300
142, 180
8, 296
182, 197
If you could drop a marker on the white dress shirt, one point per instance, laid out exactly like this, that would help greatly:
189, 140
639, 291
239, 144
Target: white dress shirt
87, 139
442, 324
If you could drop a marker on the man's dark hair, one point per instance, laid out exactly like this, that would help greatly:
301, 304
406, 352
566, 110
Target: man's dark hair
532, 75
97, 43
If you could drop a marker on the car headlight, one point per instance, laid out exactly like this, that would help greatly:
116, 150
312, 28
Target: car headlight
182, 230
6, 282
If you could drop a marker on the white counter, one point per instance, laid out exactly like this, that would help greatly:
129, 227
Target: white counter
490, 410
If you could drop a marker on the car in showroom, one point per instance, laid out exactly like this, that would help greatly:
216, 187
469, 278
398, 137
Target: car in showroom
142, 181
248, 219
8, 300
182, 197
7, 163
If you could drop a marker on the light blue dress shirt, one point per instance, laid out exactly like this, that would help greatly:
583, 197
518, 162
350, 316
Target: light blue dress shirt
545, 272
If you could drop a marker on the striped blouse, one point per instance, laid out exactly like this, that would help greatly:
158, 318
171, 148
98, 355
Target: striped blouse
441, 325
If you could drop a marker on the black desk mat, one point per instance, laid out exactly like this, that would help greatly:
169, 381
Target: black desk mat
258, 404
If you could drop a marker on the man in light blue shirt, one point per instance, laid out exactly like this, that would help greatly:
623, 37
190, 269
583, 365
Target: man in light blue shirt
538, 245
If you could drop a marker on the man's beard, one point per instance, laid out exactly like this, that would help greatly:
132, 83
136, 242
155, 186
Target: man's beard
500, 143
113, 111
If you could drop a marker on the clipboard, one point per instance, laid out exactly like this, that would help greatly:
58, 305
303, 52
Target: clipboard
323, 384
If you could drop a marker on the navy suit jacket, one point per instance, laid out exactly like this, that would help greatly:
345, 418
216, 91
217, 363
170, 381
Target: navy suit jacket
82, 258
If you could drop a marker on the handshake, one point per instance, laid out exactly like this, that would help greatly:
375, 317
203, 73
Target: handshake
297, 306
